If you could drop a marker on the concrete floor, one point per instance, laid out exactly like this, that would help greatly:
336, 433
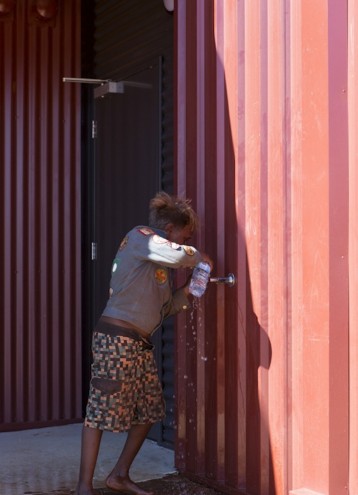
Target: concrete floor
47, 460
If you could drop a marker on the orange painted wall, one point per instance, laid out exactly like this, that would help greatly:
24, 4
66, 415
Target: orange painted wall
266, 132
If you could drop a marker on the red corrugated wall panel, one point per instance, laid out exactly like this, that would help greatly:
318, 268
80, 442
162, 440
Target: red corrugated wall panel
266, 147
40, 230
353, 236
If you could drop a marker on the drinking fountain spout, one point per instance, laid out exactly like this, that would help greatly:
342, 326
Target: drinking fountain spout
230, 280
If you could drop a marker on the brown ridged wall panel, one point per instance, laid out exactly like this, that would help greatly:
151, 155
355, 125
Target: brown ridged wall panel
40, 228
266, 131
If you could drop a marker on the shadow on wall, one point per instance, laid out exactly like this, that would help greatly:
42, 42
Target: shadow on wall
250, 353
254, 346
259, 474
223, 430
249, 336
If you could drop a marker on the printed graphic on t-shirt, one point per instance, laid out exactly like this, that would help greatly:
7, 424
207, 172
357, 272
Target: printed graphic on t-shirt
161, 275
115, 264
123, 243
160, 240
189, 250
146, 231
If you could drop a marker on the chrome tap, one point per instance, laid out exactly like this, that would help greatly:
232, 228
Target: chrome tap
230, 280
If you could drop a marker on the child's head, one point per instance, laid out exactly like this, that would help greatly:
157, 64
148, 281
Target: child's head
173, 215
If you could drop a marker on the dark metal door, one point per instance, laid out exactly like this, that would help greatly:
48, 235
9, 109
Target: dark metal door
127, 173
127, 129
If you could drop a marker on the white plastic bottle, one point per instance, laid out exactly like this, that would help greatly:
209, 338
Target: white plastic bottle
199, 279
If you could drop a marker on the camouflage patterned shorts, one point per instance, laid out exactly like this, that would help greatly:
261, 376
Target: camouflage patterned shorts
125, 389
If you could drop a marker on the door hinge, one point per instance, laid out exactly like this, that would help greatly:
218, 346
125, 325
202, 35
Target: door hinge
93, 251
94, 129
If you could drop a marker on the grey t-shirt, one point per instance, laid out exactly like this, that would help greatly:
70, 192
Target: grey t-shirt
140, 286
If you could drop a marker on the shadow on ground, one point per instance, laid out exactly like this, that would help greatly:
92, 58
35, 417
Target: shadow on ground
169, 485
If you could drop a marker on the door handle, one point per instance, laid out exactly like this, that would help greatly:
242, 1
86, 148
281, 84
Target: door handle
230, 280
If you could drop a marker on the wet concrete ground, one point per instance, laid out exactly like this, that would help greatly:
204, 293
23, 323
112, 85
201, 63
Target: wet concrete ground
174, 484
45, 461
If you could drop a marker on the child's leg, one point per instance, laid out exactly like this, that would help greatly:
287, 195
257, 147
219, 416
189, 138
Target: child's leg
91, 440
119, 477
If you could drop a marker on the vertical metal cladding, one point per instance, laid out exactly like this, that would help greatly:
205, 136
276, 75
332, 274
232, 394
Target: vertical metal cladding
266, 147
40, 228
353, 235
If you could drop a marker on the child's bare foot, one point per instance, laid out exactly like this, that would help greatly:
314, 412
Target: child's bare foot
85, 490
125, 485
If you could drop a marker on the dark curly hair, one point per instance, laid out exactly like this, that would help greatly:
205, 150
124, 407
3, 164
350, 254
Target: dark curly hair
165, 209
